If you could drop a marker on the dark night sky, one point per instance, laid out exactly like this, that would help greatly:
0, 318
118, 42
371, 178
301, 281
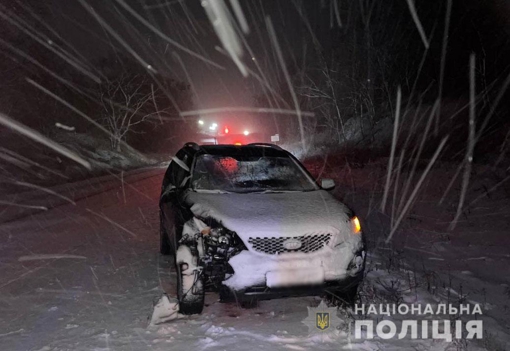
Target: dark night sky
214, 87
479, 25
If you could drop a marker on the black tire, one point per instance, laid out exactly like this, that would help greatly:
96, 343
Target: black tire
346, 295
350, 294
245, 302
249, 303
164, 243
225, 294
191, 300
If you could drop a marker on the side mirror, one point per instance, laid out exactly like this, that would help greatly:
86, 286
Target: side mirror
327, 184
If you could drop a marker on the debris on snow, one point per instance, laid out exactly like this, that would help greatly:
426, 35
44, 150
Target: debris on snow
165, 310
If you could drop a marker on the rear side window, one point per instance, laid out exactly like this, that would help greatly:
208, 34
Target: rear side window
178, 171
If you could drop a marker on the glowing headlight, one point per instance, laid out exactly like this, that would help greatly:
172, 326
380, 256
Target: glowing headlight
356, 226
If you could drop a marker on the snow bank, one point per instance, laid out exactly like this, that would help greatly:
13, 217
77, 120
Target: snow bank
100, 153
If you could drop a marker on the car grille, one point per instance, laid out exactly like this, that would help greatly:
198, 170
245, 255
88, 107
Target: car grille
274, 246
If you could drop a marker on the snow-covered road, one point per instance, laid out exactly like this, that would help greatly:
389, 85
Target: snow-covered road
93, 274
84, 277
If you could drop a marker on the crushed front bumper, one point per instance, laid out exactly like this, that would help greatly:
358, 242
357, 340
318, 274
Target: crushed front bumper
262, 274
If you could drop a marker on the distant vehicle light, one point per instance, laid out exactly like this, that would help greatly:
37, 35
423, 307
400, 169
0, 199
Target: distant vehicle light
238, 143
356, 224
201, 122
246, 132
226, 131
214, 125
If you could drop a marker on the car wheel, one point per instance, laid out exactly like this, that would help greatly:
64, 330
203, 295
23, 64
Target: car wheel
164, 243
249, 303
350, 294
345, 295
227, 295
190, 291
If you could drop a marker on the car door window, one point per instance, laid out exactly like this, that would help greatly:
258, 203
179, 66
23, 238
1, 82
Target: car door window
178, 171
182, 169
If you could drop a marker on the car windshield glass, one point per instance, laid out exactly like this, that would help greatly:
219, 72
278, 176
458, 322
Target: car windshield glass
249, 174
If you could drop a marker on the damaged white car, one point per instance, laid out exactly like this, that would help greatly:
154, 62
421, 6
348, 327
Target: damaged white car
251, 223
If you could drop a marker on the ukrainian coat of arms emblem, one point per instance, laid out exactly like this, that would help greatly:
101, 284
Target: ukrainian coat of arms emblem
322, 319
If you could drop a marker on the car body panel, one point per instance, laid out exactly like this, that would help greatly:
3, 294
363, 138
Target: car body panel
332, 264
287, 214
281, 218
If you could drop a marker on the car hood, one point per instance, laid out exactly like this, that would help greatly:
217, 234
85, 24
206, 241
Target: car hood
287, 214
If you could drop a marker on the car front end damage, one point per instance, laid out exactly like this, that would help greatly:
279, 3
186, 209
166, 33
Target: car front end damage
267, 267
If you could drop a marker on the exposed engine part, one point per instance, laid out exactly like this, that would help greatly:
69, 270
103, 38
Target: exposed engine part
223, 240
220, 245
215, 246
358, 262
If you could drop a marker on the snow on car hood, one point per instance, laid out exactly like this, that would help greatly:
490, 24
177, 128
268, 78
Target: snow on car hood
273, 214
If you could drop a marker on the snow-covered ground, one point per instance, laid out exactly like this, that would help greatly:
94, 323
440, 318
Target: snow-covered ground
85, 276
470, 264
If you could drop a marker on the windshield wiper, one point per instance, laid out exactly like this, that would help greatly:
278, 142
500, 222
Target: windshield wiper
271, 191
212, 191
